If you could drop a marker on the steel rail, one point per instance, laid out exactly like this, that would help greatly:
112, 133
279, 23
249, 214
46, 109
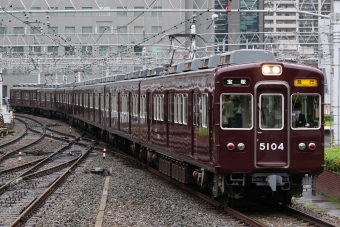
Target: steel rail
36, 203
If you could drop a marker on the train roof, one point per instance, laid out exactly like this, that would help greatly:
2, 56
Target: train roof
208, 62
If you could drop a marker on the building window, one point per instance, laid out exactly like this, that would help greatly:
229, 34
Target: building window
87, 14
52, 14
122, 30
3, 30
18, 30
86, 50
2, 14
72, 14
103, 50
137, 68
3, 49
121, 48
19, 13
52, 49
104, 13
35, 49
70, 30
69, 50
156, 49
35, 30
138, 29
88, 71
139, 13
86, 31
123, 13
156, 29
52, 30
104, 30
18, 50
35, 14
154, 13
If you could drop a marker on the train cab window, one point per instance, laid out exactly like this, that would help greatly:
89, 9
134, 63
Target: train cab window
306, 111
236, 111
271, 111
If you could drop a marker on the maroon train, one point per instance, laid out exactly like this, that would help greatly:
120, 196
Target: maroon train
232, 123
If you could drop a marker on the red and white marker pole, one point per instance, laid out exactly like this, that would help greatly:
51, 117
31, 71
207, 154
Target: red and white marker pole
19, 156
104, 153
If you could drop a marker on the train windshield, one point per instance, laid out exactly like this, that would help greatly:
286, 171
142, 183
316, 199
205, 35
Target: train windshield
306, 111
236, 111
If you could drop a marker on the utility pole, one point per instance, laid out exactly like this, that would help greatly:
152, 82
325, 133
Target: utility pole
335, 105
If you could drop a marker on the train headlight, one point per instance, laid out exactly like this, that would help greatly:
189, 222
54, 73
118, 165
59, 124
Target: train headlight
271, 70
265, 69
302, 146
241, 146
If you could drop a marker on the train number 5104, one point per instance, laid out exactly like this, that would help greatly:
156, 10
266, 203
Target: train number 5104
271, 146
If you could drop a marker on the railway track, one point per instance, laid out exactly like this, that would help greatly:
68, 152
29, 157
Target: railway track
22, 194
236, 218
289, 215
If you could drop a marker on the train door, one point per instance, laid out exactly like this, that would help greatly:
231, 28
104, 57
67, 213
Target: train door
272, 131
168, 117
119, 108
100, 107
149, 111
195, 124
109, 109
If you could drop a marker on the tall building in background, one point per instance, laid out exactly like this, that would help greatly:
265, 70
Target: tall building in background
248, 23
295, 33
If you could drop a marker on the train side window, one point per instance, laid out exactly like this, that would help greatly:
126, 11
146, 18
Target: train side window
180, 109
107, 102
155, 107
142, 106
114, 103
185, 109
91, 100
101, 98
161, 107
306, 111
150, 105
96, 101
204, 110
169, 107
176, 108
85, 100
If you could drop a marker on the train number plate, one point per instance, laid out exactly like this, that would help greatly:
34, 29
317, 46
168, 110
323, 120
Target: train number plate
271, 146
